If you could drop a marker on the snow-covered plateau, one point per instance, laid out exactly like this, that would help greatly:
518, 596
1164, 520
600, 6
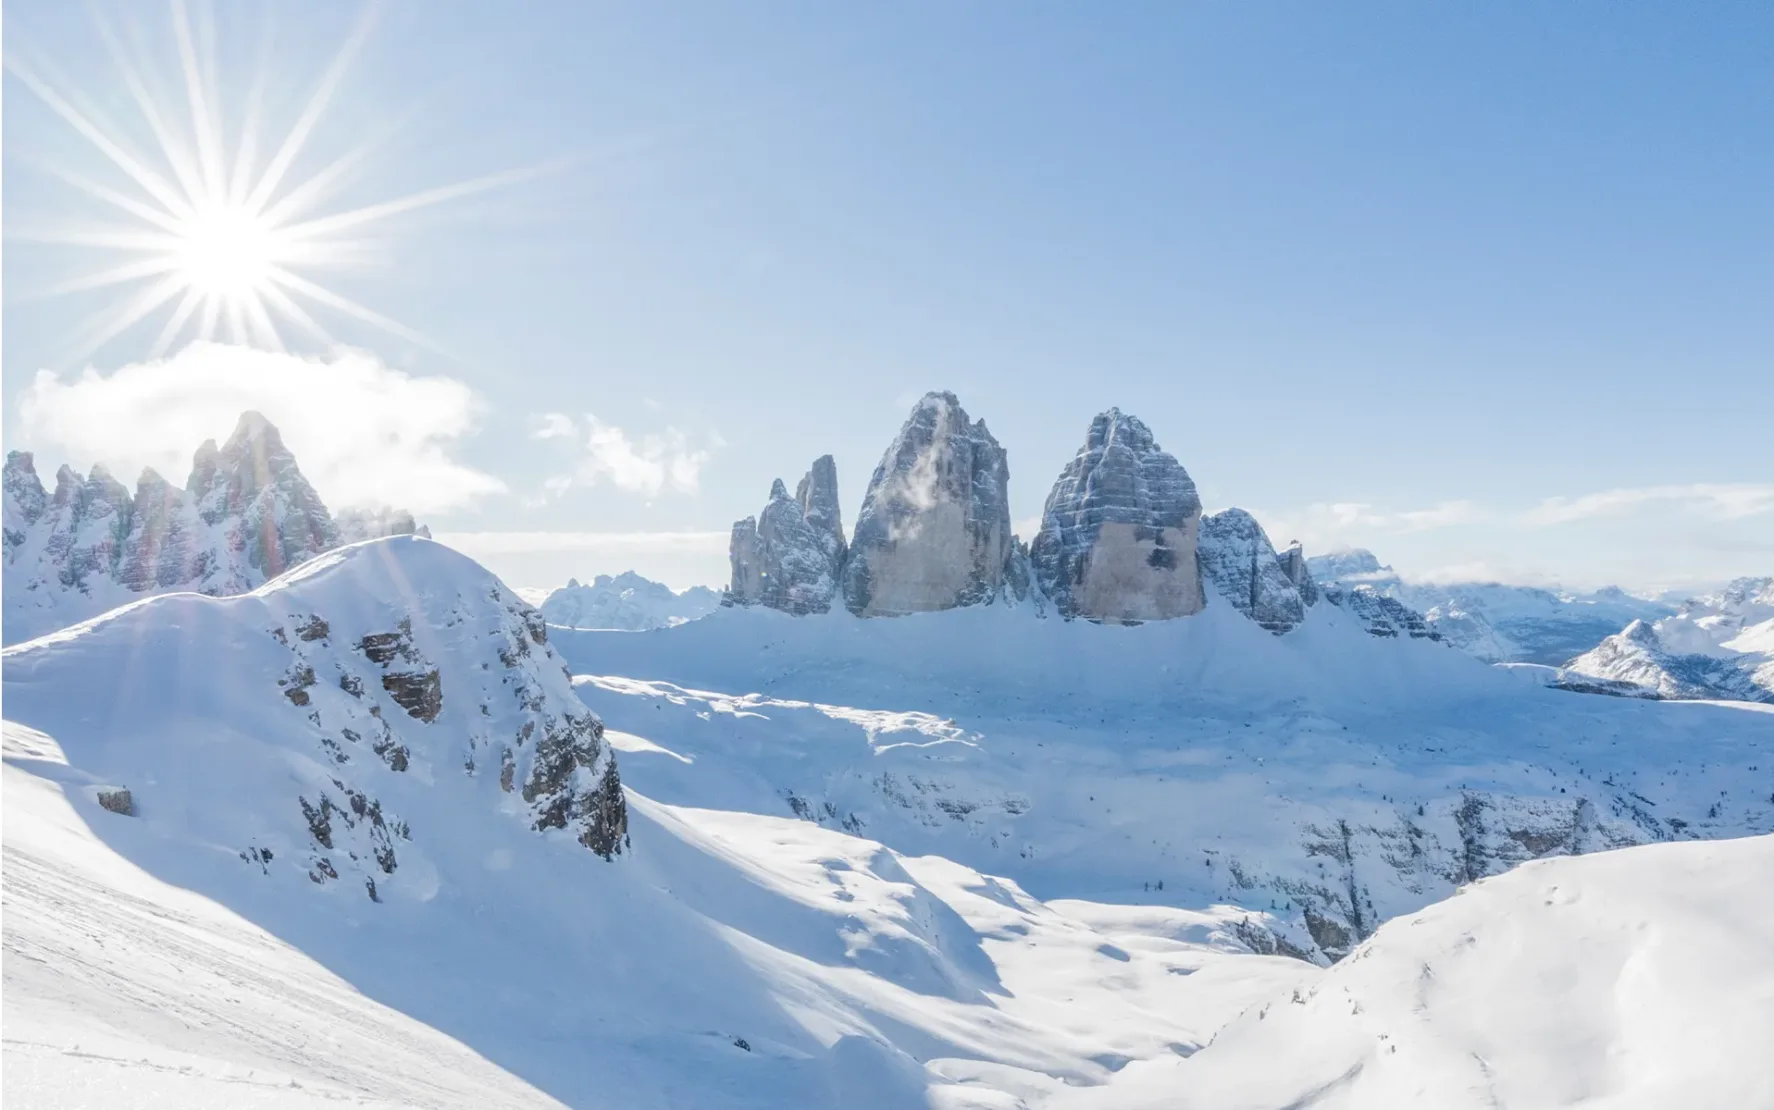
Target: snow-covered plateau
359, 836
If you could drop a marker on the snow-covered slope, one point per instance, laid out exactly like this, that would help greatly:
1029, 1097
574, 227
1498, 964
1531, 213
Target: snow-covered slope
367, 764
626, 602
246, 514
1496, 622
1633, 980
1330, 777
1639, 656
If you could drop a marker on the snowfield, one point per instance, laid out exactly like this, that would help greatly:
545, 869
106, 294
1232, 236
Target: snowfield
375, 853
1631, 980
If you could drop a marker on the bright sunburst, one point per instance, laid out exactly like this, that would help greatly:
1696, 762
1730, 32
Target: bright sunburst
218, 238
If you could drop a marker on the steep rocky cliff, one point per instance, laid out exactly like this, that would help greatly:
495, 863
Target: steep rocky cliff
934, 531
1118, 534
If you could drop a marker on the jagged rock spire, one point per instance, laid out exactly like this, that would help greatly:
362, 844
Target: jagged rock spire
789, 556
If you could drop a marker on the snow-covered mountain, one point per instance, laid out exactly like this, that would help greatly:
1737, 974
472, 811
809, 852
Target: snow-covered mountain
969, 858
1718, 646
1635, 980
245, 515
1496, 622
626, 602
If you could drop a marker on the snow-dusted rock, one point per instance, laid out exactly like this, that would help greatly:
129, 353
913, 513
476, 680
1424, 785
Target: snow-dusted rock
245, 515
1381, 615
789, 556
1638, 655
628, 602
1240, 562
1118, 535
934, 531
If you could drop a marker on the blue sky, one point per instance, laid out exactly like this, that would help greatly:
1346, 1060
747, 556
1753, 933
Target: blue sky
1486, 289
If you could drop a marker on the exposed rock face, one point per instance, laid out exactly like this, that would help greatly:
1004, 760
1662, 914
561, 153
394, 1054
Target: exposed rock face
934, 531
1118, 536
790, 557
246, 515
1238, 559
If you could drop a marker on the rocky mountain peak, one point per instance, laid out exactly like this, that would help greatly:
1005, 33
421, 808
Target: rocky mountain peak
934, 530
1118, 534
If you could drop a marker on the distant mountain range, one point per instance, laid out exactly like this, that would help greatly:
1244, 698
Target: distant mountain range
626, 602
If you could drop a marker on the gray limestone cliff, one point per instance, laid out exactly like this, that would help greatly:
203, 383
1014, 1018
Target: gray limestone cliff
934, 530
1118, 535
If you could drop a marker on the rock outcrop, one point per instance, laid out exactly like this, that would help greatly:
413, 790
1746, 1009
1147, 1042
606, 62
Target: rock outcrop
1240, 562
934, 531
1118, 535
790, 556
245, 515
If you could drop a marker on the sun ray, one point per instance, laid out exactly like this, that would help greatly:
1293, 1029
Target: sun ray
171, 147
326, 225
108, 325
120, 239
175, 323
116, 275
259, 323
203, 123
206, 323
111, 196
350, 308
281, 303
317, 104
147, 179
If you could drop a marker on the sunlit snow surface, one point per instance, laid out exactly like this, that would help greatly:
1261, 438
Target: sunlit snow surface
806, 916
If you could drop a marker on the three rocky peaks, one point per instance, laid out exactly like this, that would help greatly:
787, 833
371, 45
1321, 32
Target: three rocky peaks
1122, 537
245, 515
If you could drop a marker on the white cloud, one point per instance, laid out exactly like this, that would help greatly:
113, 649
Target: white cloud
1718, 501
364, 433
648, 465
1327, 525
553, 425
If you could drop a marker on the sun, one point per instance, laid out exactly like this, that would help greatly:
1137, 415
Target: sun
220, 239
227, 252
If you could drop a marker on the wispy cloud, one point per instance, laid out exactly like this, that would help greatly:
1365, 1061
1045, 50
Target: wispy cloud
1718, 501
647, 464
